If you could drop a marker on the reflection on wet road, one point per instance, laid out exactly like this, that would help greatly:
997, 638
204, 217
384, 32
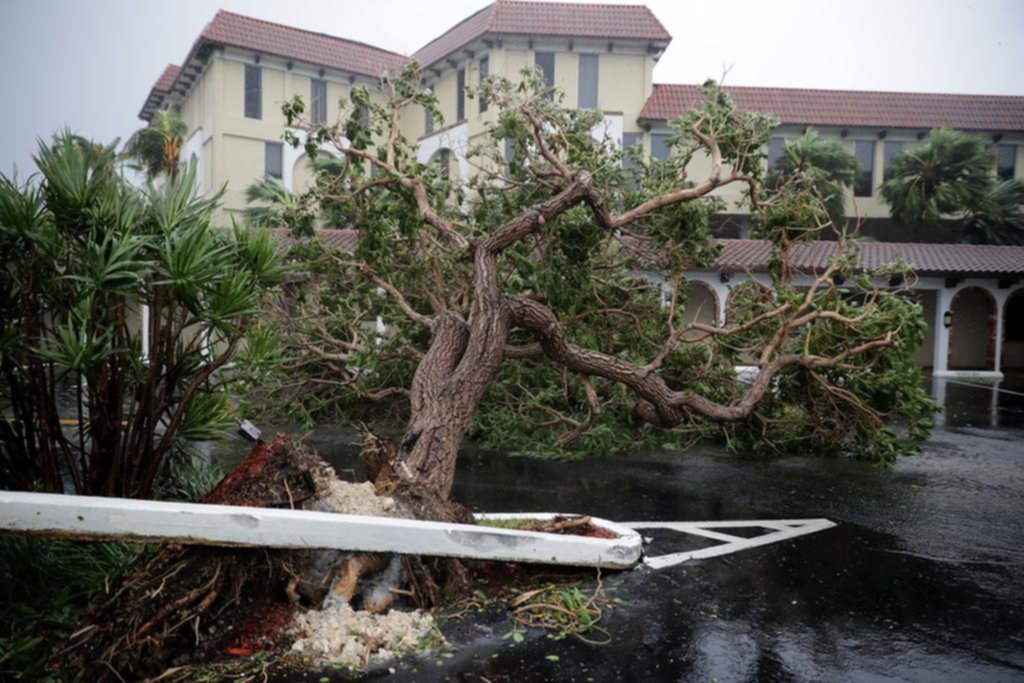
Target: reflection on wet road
923, 579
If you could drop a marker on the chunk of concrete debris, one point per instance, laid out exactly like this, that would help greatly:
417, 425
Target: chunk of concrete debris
341, 635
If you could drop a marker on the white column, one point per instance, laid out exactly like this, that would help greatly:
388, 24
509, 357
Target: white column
1001, 297
939, 394
943, 300
993, 406
722, 295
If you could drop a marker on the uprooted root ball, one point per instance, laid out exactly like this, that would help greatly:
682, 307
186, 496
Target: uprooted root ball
189, 605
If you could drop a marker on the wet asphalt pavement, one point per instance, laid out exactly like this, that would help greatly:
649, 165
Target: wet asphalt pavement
922, 579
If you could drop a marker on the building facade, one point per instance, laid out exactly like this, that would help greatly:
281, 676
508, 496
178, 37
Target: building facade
240, 70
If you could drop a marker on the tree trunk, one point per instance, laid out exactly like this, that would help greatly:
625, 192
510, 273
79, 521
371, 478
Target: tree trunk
448, 385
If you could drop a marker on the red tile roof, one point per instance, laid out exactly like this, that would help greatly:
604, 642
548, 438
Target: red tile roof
265, 37
167, 78
742, 255
925, 259
160, 90
853, 108
236, 30
571, 20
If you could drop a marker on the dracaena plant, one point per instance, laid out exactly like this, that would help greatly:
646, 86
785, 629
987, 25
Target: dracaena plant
91, 267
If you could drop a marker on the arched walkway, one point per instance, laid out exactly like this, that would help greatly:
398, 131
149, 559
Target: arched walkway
443, 159
972, 333
925, 354
699, 304
1013, 332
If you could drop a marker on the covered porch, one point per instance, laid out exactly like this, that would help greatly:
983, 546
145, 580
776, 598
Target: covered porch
972, 296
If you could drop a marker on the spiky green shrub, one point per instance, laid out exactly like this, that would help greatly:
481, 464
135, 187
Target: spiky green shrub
83, 255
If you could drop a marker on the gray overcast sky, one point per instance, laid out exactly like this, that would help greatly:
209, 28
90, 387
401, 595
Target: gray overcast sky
90, 64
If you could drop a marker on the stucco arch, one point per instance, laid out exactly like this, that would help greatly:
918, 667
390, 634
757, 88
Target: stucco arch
972, 333
302, 174
443, 158
699, 303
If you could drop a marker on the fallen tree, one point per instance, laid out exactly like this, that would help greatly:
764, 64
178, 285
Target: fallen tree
519, 296
534, 264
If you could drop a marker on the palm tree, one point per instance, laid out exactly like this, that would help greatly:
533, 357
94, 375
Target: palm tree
272, 205
156, 149
947, 178
822, 165
999, 218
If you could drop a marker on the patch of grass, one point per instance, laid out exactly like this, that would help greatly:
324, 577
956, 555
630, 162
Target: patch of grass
46, 585
564, 610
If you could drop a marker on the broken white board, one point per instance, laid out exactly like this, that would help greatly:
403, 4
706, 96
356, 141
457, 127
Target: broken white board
95, 518
775, 530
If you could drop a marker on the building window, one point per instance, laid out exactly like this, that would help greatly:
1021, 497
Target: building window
460, 95
273, 159
1006, 161
776, 146
630, 140
546, 62
317, 101
253, 92
889, 150
659, 146
485, 70
587, 96
864, 150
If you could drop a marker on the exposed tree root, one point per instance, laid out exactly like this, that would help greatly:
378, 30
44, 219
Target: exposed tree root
197, 605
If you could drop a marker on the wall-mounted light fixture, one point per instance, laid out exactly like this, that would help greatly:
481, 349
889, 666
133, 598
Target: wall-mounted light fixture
947, 319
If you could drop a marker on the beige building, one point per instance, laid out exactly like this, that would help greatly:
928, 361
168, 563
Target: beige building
240, 70
874, 126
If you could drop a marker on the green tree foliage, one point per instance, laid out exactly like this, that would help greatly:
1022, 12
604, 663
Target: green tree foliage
837, 369
951, 178
999, 217
156, 149
822, 167
81, 253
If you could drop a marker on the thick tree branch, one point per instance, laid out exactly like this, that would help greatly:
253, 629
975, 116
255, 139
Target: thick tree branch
667, 403
395, 294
